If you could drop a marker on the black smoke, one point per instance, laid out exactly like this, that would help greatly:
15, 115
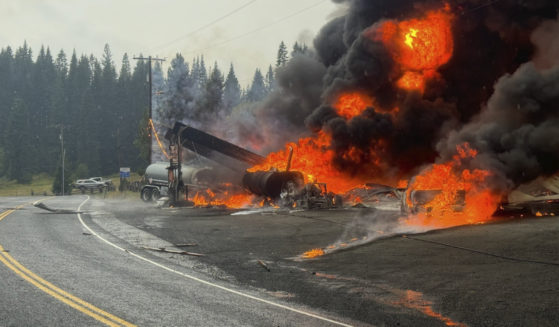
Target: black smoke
499, 91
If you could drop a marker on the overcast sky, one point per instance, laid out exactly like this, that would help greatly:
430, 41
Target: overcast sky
248, 38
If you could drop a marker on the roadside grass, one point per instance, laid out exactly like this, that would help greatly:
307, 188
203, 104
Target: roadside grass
41, 185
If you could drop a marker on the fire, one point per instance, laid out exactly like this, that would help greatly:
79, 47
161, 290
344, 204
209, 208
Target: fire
313, 253
419, 46
353, 104
313, 157
152, 127
410, 36
461, 195
226, 198
411, 81
415, 300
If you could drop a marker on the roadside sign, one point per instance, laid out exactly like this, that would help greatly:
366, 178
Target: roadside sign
124, 172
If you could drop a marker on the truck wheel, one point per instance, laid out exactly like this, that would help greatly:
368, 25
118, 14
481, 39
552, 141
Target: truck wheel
146, 194
155, 194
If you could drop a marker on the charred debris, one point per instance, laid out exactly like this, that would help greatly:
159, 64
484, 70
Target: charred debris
221, 164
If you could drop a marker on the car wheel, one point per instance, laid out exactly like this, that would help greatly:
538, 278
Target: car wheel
146, 194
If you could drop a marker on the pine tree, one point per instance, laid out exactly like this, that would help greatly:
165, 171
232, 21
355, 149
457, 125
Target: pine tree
282, 55
108, 114
213, 95
17, 150
61, 64
125, 72
122, 100
6, 94
270, 80
298, 49
180, 90
232, 91
42, 105
257, 89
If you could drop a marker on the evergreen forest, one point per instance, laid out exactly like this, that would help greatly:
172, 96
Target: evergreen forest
99, 113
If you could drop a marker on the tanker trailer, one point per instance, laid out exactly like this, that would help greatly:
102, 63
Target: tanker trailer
157, 179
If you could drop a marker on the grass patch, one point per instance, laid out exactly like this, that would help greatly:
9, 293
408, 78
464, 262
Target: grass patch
41, 184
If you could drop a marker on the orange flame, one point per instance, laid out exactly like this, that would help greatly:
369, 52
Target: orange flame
414, 300
226, 198
353, 104
313, 253
419, 46
157, 138
314, 157
452, 179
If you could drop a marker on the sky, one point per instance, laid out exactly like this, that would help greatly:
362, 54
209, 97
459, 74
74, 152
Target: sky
246, 33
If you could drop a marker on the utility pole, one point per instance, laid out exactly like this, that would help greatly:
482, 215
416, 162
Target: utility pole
62, 154
150, 59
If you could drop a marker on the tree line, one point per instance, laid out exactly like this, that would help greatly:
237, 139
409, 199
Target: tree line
101, 114
81, 99
199, 94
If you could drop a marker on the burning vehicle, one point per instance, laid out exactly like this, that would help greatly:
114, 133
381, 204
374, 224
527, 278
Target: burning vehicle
282, 188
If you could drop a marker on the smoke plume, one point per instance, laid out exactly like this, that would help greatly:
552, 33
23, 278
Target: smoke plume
498, 90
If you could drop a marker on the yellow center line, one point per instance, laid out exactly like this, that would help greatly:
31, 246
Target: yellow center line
5, 213
59, 294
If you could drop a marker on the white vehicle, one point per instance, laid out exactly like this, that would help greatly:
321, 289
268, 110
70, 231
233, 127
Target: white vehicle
107, 182
89, 184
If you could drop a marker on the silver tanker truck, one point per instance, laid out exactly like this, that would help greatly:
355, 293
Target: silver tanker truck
157, 179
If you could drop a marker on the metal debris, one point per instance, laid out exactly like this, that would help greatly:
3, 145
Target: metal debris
263, 264
45, 207
173, 251
185, 244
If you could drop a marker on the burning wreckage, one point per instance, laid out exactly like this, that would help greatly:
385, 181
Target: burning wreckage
273, 187
452, 104
234, 179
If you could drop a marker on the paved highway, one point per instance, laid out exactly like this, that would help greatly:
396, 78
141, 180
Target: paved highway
63, 270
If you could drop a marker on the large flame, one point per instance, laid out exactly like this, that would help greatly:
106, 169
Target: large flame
452, 179
227, 196
419, 46
314, 157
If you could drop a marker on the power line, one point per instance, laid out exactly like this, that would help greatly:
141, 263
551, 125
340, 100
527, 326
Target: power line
165, 45
316, 4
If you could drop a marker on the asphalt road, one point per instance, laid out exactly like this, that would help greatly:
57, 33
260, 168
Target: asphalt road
100, 268
504, 273
66, 270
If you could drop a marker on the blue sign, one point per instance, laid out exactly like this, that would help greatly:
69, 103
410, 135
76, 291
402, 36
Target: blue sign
124, 172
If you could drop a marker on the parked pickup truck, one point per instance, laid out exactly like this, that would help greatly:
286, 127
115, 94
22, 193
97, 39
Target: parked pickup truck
107, 182
89, 184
